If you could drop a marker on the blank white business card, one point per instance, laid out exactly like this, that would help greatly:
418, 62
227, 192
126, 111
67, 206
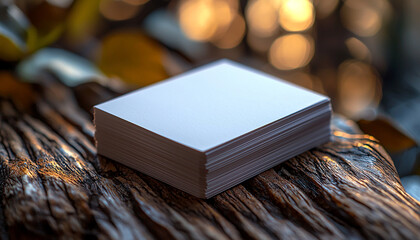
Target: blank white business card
211, 128
211, 105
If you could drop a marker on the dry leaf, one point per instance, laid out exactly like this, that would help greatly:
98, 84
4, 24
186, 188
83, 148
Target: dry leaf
133, 57
393, 139
22, 94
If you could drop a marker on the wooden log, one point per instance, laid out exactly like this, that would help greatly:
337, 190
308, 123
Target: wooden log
54, 186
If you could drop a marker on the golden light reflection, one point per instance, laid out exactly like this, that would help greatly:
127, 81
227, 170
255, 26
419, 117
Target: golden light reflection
359, 88
59, 173
358, 49
117, 10
330, 161
291, 51
261, 17
339, 133
233, 35
296, 15
365, 17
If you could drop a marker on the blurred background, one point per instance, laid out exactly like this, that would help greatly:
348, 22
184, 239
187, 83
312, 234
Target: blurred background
363, 54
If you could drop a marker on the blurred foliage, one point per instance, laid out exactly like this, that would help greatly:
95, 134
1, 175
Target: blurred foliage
69, 68
14, 30
82, 21
24, 28
133, 57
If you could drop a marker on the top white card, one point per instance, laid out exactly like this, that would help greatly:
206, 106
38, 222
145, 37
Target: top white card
211, 105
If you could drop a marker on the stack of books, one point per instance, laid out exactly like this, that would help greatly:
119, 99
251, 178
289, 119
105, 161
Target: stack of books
211, 128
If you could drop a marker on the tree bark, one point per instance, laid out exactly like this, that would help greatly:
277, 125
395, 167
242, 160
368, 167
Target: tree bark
54, 186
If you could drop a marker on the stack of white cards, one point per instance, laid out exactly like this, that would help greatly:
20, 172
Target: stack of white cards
209, 129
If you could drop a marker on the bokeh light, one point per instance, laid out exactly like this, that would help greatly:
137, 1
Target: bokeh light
234, 34
204, 20
277, 3
291, 51
296, 15
224, 14
359, 88
358, 49
261, 16
197, 19
364, 17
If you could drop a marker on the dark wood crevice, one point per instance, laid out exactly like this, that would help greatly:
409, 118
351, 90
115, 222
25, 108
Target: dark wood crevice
4, 233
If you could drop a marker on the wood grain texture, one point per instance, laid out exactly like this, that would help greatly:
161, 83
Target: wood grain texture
54, 186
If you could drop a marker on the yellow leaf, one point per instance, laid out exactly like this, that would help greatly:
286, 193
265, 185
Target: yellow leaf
133, 57
393, 139
9, 50
82, 21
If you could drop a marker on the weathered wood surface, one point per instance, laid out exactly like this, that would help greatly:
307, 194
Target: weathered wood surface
54, 186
